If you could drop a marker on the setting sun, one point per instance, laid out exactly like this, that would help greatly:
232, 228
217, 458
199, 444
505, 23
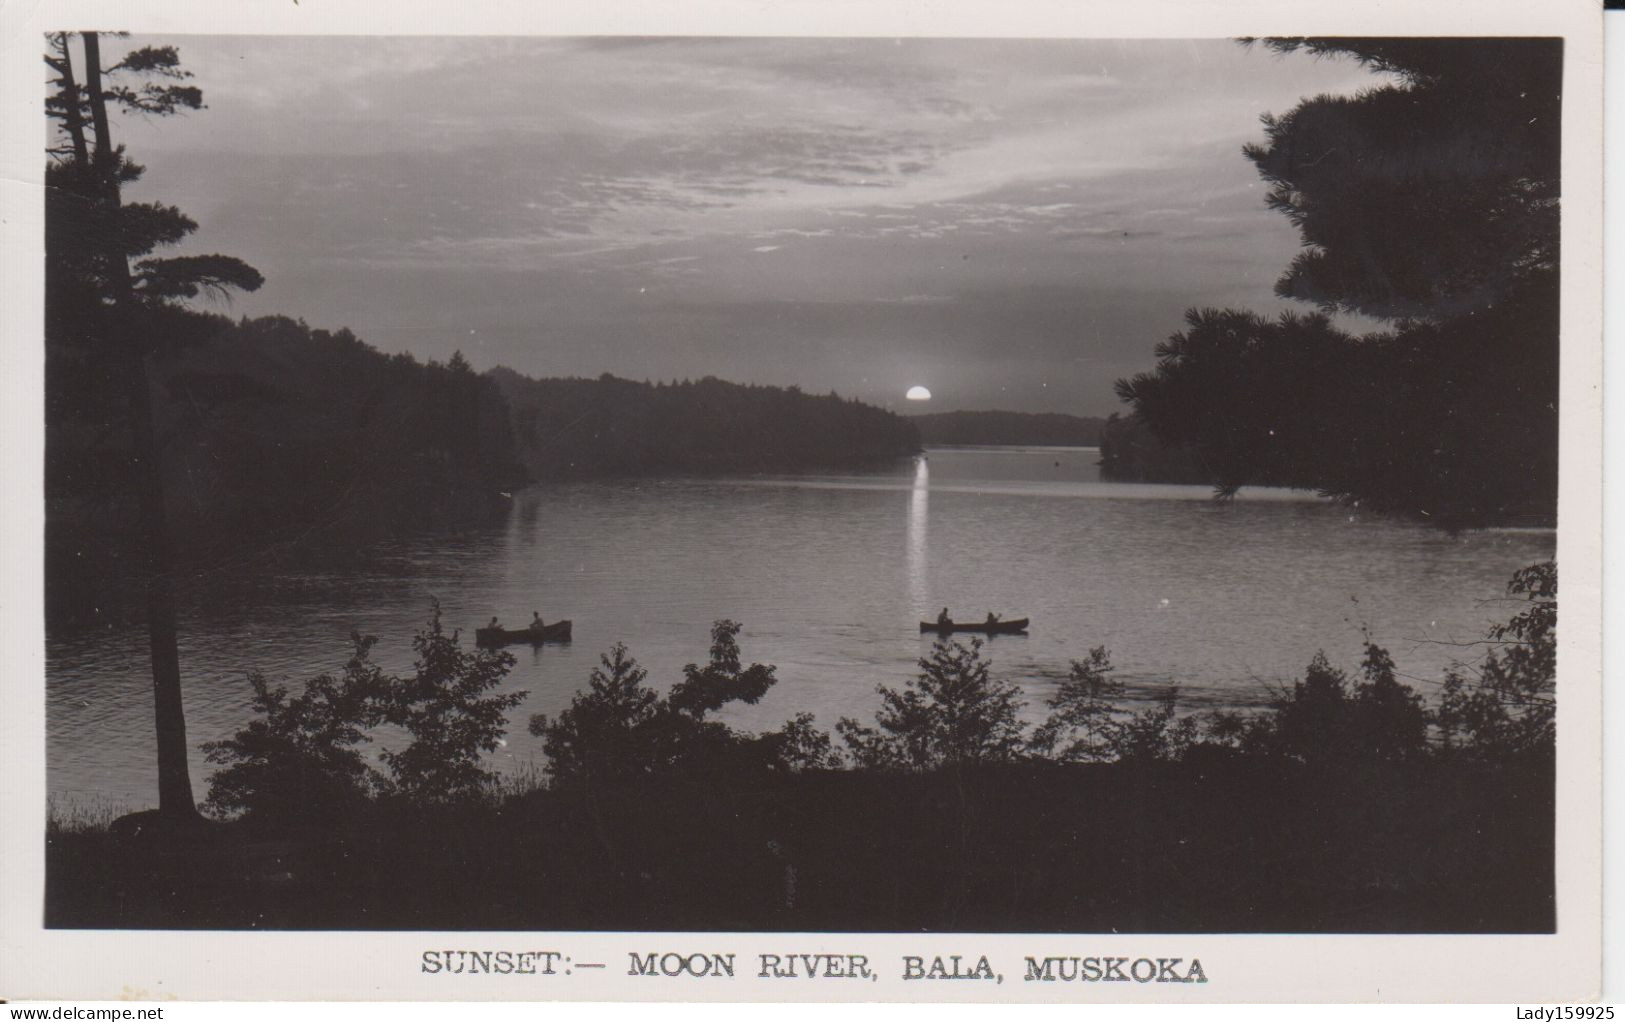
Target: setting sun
918, 394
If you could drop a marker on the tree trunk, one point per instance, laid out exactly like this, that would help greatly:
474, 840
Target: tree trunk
129, 349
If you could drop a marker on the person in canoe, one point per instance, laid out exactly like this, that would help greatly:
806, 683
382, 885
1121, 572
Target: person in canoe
536, 621
992, 620
944, 621
494, 625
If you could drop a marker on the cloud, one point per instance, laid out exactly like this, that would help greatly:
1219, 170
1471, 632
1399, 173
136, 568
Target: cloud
971, 204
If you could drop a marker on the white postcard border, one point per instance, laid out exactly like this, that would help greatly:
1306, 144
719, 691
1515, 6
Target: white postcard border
35, 962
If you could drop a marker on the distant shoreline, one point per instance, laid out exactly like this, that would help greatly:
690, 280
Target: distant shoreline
1001, 428
929, 447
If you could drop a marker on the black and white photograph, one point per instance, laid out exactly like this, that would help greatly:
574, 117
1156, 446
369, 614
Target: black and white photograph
753, 483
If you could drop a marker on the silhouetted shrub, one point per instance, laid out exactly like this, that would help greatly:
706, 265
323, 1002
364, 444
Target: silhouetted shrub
1390, 720
953, 714
723, 680
1309, 721
302, 758
1082, 724
800, 746
453, 722
609, 731
1322, 720
1089, 723
1157, 734
618, 729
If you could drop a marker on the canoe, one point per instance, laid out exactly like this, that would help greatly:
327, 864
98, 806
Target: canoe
558, 631
1014, 626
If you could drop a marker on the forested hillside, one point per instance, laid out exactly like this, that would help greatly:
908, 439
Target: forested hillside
280, 441
578, 428
277, 440
1045, 428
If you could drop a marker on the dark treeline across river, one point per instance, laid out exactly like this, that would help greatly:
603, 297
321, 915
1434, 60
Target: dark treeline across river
286, 444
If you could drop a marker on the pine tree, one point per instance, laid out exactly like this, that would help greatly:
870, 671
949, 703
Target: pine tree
111, 318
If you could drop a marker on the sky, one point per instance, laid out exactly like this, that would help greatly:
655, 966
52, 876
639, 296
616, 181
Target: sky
1014, 224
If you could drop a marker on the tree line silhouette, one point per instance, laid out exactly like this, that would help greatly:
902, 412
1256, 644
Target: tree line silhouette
280, 442
1429, 203
277, 442
1037, 428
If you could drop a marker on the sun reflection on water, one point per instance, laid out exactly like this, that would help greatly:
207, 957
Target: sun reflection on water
919, 506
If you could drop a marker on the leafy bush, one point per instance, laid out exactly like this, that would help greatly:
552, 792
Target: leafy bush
618, 729
706, 689
302, 758
1322, 720
1157, 734
1087, 721
445, 707
1390, 720
800, 746
953, 714
1309, 722
1507, 705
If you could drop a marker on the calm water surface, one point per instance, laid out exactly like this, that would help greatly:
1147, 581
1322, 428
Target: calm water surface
830, 576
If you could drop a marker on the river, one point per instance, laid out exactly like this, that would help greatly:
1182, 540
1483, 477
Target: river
830, 575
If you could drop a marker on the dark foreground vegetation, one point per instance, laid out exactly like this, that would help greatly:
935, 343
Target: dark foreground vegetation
1347, 805
1223, 845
